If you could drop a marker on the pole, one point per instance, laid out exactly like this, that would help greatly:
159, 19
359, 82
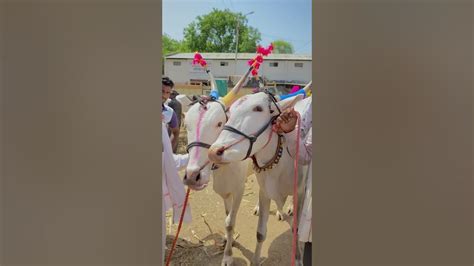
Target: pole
236, 47
237, 40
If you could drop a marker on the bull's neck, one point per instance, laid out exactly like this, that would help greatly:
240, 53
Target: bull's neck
266, 154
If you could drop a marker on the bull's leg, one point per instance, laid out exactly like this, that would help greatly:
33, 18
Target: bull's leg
289, 210
230, 225
280, 215
264, 208
256, 210
301, 184
228, 208
288, 219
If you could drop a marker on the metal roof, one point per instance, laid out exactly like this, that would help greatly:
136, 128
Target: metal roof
241, 56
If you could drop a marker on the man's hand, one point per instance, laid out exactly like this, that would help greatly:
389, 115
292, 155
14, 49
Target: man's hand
286, 122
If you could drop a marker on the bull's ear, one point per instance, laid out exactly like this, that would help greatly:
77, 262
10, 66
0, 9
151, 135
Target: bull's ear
289, 102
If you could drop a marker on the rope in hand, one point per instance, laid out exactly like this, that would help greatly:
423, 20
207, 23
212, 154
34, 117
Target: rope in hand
295, 192
168, 260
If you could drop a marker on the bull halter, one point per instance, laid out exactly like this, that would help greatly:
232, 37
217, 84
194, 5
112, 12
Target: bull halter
253, 138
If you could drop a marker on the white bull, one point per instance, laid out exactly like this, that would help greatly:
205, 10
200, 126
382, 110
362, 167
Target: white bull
204, 121
248, 134
185, 102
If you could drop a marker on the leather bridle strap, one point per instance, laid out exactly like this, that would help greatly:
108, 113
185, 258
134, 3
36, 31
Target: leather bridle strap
197, 144
223, 108
252, 138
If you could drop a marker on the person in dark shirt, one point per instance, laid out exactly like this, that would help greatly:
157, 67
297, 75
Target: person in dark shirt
168, 114
176, 106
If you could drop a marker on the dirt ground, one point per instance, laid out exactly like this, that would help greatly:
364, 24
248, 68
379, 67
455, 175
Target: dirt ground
201, 241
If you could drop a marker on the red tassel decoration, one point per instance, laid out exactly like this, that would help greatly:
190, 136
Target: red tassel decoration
258, 59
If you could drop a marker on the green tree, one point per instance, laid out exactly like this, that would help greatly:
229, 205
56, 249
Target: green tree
216, 32
282, 47
170, 45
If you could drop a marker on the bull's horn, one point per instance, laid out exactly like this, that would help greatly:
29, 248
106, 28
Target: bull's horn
304, 91
307, 88
231, 96
214, 91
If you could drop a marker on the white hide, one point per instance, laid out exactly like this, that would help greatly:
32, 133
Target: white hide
276, 183
184, 101
229, 179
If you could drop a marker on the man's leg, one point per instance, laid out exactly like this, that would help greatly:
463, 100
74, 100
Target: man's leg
307, 254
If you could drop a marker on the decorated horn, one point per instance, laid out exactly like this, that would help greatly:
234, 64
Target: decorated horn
199, 60
231, 96
214, 92
307, 88
303, 91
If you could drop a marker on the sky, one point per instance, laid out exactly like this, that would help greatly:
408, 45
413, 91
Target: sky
288, 20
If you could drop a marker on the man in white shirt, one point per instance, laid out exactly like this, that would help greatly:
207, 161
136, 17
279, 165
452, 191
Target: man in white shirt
286, 123
172, 185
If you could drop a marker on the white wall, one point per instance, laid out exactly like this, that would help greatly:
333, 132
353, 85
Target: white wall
286, 70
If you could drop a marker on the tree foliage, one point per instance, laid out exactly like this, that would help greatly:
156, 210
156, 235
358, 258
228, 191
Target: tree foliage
282, 47
216, 32
170, 45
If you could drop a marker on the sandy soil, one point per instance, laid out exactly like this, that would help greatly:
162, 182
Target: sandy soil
201, 241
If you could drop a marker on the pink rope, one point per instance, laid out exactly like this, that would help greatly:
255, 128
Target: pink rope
168, 260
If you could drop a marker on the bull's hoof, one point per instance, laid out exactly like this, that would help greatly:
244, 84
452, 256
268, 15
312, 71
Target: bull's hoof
290, 210
280, 216
227, 261
255, 262
256, 211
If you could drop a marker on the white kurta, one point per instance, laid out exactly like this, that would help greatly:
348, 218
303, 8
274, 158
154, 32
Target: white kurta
304, 158
172, 185
305, 223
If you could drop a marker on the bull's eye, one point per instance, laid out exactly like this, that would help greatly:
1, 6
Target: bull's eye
258, 108
219, 124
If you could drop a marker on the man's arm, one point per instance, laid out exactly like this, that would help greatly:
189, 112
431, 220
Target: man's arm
174, 136
286, 124
174, 126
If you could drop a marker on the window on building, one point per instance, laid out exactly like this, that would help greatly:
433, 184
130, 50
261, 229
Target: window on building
298, 64
176, 63
224, 63
273, 64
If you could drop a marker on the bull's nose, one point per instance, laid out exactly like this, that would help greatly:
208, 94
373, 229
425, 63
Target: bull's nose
215, 154
191, 177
